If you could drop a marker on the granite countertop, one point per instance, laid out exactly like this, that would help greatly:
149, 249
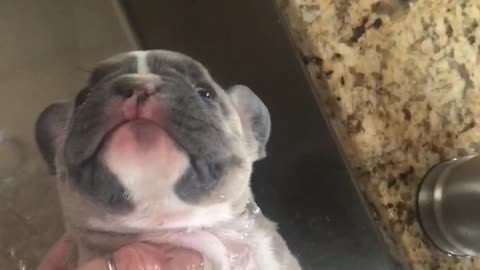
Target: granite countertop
403, 94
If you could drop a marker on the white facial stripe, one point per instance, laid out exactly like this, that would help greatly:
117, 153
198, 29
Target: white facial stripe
146, 78
142, 65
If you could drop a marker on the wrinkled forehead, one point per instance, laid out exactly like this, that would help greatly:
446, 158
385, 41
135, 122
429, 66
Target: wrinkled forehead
144, 62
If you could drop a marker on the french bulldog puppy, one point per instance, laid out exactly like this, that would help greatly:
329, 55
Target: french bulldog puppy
153, 150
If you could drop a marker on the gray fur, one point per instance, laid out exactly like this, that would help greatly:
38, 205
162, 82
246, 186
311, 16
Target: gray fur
221, 134
256, 117
194, 125
50, 123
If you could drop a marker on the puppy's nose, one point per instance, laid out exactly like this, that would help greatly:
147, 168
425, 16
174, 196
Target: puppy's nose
140, 91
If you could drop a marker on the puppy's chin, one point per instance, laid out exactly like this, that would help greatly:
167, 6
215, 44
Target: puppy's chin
143, 156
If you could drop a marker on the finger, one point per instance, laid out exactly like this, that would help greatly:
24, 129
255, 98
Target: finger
57, 256
147, 257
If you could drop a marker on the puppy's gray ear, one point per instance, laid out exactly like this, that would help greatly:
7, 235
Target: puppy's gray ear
254, 116
49, 128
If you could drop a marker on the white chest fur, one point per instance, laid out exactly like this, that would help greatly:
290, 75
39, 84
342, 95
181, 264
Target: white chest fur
240, 244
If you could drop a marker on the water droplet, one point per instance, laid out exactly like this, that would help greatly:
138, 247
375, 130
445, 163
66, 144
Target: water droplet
253, 208
11, 155
21, 265
232, 257
191, 267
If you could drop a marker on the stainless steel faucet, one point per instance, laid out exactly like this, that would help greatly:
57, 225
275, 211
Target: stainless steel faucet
449, 206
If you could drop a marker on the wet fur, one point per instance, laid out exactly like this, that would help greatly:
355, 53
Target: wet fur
206, 206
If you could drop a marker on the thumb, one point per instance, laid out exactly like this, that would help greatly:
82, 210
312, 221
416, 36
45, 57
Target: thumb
57, 256
141, 256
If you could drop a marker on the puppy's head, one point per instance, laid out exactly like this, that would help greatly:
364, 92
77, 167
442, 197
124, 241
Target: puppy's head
153, 142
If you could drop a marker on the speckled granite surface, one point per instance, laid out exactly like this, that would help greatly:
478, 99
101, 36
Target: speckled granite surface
404, 94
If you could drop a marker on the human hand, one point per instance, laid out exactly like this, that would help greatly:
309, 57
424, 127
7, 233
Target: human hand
138, 256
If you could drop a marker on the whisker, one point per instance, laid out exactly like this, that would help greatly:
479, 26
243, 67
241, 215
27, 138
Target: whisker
83, 69
185, 116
